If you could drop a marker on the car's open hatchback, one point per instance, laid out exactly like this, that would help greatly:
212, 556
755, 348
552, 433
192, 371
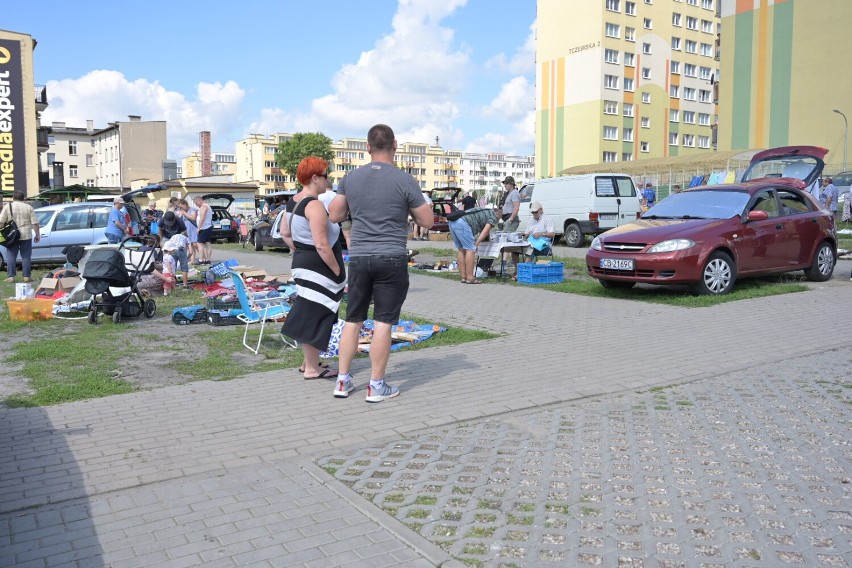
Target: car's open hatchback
804, 163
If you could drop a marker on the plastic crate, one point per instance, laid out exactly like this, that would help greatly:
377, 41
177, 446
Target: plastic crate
30, 309
199, 316
222, 305
223, 317
529, 273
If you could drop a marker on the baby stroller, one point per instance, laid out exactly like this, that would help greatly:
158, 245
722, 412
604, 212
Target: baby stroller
122, 269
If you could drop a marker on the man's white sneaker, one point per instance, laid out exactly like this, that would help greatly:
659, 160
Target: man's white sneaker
378, 394
343, 388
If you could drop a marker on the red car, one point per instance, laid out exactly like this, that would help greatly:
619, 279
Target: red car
709, 236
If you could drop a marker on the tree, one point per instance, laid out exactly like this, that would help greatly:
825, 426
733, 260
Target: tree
302, 145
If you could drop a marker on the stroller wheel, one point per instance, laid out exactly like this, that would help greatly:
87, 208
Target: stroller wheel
149, 308
116, 316
93, 316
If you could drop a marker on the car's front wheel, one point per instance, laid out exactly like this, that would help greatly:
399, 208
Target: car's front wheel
822, 266
718, 275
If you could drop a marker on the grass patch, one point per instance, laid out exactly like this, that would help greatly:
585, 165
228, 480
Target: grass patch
480, 532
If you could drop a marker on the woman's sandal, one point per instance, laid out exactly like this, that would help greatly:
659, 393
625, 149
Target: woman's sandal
321, 366
474, 282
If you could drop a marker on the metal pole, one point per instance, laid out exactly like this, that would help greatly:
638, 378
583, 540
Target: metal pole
845, 138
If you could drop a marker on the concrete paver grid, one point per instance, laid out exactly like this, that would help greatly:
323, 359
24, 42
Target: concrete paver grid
748, 469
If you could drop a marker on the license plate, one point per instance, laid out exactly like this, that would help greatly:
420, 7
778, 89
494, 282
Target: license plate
617, 263
608, 216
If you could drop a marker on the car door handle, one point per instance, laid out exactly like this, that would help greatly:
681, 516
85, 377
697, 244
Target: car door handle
779, 226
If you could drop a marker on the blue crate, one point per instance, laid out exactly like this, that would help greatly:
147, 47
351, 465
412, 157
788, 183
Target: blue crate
530, 273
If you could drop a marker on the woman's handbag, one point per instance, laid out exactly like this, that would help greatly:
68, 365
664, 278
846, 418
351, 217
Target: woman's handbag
9, 233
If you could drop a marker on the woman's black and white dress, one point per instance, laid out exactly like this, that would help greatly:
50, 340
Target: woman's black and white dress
318, 289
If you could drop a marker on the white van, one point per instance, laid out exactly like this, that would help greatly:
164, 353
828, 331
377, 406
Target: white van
581, 205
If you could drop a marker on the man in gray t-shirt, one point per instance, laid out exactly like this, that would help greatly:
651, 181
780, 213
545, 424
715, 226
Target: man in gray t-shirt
379, 197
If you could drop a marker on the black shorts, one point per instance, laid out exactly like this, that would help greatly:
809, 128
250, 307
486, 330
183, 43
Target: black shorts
205, 235
382, 279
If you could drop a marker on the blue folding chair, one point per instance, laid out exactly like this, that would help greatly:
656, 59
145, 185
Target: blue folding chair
257, 308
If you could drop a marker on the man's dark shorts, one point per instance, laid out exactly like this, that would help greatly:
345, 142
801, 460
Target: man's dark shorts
205, 235
382, 279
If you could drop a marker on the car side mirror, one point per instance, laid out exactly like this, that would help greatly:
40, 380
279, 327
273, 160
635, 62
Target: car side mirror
757, 216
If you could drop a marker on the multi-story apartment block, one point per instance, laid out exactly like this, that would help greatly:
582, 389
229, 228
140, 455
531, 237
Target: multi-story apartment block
484, 172
70, 158
128, 151
777, 88
114, 157
621, 80
221, 163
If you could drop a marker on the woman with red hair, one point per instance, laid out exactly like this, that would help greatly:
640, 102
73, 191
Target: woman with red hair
317, 267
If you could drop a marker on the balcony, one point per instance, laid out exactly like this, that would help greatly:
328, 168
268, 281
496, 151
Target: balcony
41, 139
40, 97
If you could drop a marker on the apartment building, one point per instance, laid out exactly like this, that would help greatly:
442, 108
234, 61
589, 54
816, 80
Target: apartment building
128, 151
779, 86
484, 172
221, 163
70, 158
622, 80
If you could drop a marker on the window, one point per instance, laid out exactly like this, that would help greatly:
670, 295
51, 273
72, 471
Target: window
707, 4
672, 138
629, 34
611, 55
613, 5
646, 48
689, 117
703, 119
691, 46
692, 2
674, 92
644, 147
91, 183
610, 133
688, 94
51, 140
676, 43
610, 82
609, 156
704, 73
674, 66
707, 26
703, 95
51, 157
610, 107
90, 160
627, 134
691, 23
646, 122
649, 1
646, 97
72, 147
630, 8
626, 157
675, 19
646, 72
629, 84
629, 58
72, 171
674, 115
689, 69
703, 141
612, 30
627, 108
648, 23
706, 50
689, 140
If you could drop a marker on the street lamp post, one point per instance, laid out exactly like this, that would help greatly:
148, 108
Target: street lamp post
845, 137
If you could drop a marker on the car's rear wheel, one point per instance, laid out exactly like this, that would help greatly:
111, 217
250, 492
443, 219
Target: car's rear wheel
616, 284
822, 266
257, 244
718, 275
574, 236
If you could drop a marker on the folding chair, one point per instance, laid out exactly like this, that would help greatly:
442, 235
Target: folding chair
257, 308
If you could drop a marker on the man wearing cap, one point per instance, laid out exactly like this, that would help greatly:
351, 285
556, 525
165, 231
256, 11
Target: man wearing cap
539, 231
172, 225
511, 205
117, 225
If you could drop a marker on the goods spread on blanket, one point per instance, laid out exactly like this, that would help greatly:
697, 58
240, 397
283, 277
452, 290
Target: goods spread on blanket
403, 334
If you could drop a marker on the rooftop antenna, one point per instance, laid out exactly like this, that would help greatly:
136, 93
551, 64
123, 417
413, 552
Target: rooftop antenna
437, 141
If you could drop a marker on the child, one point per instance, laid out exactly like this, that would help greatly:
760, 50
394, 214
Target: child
169, 268
243, 229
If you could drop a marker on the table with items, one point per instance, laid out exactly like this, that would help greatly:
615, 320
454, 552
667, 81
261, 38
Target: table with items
500, 245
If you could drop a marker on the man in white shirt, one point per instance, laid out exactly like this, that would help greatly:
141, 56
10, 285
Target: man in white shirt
539, 233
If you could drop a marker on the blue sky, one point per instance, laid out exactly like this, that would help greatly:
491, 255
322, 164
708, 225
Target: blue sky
462, 70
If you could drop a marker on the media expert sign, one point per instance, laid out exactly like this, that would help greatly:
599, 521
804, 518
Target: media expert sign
13, 161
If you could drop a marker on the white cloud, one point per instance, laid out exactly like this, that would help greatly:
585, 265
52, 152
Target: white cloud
410, 80
107, 96
523, 60
513, 101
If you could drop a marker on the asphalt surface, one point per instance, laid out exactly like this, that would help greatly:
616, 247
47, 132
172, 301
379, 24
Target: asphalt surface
591, 432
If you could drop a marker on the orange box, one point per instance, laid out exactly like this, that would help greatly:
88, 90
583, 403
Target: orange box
30, 309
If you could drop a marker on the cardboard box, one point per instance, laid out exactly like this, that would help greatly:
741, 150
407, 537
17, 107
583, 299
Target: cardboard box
59, 284
282, 278
439, 236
